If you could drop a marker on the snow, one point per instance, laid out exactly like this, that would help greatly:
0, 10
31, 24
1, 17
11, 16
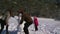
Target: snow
46, 26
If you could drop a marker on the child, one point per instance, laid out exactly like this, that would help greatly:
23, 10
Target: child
35, 23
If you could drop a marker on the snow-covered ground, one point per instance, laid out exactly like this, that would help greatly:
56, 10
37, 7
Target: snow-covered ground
46, 26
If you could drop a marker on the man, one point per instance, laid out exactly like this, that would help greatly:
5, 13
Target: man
27, 18
3, 22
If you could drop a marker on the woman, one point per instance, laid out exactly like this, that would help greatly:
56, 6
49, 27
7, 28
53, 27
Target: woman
12, 22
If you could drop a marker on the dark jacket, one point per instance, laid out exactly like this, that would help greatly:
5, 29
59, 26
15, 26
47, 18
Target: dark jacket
26, 17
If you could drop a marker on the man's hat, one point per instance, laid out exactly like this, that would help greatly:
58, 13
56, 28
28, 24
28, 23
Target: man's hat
21, 10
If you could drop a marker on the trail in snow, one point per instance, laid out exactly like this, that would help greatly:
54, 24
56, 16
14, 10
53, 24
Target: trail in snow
46, 26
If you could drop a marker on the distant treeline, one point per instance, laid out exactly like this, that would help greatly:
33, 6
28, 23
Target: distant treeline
40, 8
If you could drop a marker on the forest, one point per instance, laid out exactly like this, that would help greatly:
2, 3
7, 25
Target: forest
40, 8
